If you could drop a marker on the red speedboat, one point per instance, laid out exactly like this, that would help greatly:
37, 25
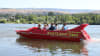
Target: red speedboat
76, 34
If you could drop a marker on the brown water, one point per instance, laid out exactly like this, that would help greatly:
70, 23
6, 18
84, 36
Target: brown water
12, 45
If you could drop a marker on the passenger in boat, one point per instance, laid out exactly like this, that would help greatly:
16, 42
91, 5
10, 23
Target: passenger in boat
52, 27
39, 26
45, 27
64, 27
56, 26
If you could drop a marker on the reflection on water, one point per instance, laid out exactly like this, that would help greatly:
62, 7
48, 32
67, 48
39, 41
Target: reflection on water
53, 48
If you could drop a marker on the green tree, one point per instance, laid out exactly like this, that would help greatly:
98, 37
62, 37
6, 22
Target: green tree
51, 13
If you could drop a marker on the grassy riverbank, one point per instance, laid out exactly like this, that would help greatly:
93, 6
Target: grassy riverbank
51, 18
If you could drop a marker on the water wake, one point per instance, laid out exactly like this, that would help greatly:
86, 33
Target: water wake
94, 40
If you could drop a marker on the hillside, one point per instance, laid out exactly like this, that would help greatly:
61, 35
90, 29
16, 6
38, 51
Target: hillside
30, 11
44, 11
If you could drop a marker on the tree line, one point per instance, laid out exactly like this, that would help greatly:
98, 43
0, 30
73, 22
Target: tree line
51, 18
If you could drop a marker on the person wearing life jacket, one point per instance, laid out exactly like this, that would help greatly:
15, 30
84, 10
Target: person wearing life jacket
56, 27
52, 27
39, 27
45, 27
64, 27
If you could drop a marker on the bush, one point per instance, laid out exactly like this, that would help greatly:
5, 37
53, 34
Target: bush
3, 21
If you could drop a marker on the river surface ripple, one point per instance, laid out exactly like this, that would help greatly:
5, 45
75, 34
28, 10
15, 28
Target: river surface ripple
12, 45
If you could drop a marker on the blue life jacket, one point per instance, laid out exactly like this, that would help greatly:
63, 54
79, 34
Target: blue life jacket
52, 28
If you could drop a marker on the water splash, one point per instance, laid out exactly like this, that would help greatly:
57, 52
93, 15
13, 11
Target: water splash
94, 40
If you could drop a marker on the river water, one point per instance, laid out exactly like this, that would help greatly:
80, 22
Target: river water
12, 45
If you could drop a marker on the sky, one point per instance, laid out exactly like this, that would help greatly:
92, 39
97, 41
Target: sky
62, 4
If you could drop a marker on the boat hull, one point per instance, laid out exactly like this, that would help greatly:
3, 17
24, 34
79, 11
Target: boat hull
76, 34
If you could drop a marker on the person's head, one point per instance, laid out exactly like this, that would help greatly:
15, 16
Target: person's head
39, 25
52, 24
45, 25
56, 24
64, 24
